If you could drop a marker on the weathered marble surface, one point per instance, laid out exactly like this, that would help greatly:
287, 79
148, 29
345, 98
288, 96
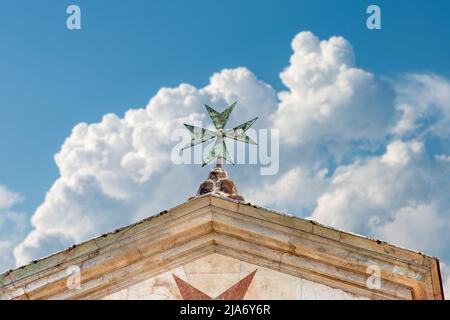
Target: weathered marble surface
215, 273
296, 259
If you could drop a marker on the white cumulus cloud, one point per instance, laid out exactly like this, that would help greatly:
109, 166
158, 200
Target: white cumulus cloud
366, 192
423, 100
119, 170
12, 226
329, 97
355, 153
296, 191
8, 198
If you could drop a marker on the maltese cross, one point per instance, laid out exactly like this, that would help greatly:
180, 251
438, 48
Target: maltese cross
219, 150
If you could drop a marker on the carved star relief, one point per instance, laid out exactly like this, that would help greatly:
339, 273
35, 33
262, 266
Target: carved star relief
236, 292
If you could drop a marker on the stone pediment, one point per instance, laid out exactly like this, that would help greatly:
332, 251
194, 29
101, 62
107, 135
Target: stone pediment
211, 244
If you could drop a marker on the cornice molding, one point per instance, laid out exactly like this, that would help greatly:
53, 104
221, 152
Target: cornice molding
252, 234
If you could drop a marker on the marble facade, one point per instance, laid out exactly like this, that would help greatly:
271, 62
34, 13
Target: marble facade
211, 243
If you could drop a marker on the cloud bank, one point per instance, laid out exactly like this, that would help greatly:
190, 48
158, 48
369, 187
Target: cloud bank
357, 152
12, 226
117, 171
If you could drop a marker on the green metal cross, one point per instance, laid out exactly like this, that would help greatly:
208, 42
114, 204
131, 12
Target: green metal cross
219, 150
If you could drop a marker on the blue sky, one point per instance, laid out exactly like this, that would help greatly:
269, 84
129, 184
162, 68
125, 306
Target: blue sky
52, 78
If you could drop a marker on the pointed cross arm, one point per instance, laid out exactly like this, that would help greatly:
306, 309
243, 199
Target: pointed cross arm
200, 135
238, 133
